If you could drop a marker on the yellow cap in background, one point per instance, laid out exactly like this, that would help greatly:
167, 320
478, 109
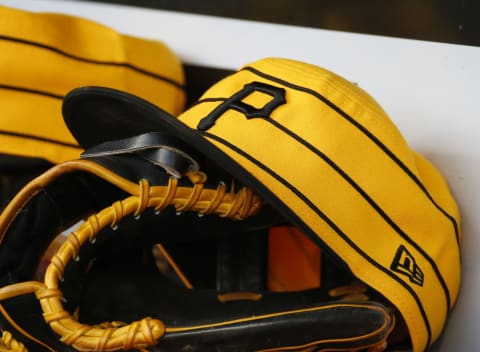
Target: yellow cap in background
44, 56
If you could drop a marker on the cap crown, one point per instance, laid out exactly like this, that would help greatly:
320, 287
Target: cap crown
326, 154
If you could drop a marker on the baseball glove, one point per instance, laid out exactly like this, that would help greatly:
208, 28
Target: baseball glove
104, 286
100, 259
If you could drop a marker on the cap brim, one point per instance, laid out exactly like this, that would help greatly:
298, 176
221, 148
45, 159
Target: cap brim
96, 114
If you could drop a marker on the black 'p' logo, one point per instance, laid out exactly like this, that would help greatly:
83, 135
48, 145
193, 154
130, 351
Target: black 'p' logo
235, 102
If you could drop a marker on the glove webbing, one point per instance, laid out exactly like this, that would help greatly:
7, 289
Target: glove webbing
146, 332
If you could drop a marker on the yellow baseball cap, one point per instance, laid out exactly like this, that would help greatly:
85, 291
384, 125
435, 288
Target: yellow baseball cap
326, 156
44, 56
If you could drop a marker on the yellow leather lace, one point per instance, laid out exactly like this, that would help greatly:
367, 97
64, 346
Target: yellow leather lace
355, 291
9, 344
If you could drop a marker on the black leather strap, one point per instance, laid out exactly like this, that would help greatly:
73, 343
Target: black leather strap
158, 148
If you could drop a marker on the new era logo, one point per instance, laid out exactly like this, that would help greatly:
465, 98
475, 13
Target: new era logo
404, 263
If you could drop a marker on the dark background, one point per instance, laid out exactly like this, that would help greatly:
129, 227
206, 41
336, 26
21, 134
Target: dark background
449, 21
